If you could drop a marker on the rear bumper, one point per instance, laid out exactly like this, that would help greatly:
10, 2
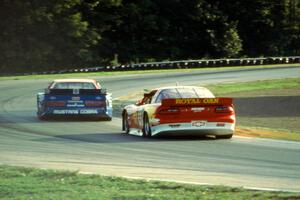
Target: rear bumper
210, 128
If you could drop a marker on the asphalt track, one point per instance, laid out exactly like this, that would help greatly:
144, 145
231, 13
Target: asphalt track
100, 147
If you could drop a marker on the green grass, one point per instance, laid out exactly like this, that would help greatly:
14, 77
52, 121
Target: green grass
279, 127
257, 86
94, 74
28, 183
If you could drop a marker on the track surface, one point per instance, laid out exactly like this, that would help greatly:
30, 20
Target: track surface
99, 147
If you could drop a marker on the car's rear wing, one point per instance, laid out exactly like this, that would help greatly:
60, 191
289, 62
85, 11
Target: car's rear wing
75, 91
197, 102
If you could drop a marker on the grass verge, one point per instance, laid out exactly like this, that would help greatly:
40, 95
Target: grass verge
116, 73
258, 87
29, 183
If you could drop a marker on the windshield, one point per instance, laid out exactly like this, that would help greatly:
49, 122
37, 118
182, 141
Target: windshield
73, 85
176, 93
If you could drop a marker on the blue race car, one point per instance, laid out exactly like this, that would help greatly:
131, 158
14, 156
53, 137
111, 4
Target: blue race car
74, 97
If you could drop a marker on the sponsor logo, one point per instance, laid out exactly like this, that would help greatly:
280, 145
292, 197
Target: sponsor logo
88, 111
75, 91
75, 105
198, 123
68, 112
75, 112
75, 98
198, 109
197, 101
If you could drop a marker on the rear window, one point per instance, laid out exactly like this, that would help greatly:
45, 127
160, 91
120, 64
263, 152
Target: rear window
204, 93
184, 93
73, 85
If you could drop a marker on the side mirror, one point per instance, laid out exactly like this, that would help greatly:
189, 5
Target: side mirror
47, 91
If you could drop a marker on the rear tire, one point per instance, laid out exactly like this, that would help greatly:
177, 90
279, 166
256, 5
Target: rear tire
42, 117
125, 123
146, 127
107, 119
224, 136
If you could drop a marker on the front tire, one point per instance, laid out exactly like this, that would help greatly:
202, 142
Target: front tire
146, 127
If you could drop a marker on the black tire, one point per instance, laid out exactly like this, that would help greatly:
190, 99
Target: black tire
42, 117
146, 127
125, 123
224, 136
107, 119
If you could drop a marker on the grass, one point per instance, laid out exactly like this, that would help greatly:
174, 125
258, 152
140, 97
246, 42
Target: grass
256, 86
28, 183
116, 73
283, 127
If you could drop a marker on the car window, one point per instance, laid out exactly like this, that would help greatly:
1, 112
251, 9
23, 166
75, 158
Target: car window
73, 85
187, 93
167, 94
204, 93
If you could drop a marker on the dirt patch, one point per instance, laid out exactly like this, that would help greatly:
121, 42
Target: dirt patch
262, 133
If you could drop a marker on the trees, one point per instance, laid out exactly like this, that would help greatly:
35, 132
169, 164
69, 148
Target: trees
174, 29
43, 35
37, 35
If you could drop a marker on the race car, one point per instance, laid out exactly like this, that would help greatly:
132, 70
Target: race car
180, 110
74, 97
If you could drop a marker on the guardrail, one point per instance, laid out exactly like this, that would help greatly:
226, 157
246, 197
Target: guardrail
183, 64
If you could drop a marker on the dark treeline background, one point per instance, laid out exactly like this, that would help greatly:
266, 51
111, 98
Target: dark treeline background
38, 35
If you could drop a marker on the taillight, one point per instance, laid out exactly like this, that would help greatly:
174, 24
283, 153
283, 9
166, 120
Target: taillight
94, 103
224, 109
169, 111
55, 103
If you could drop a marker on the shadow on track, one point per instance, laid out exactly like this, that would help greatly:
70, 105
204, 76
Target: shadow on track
121, 138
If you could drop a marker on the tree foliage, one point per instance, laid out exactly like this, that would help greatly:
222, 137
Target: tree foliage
44, 35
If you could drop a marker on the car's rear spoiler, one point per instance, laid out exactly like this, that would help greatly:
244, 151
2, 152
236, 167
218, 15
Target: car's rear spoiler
197, 101
75, 91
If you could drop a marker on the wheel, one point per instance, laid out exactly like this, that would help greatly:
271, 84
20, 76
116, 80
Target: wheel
125, 123
224, 136
146, 127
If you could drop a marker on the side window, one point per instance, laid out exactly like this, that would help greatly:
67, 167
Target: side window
147, 100
167, 94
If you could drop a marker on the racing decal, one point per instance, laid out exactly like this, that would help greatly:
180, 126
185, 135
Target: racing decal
75, 105
75, 98
198, 109
88, 111
197, 101
76, 91
198, 123
69, 112
75, 112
